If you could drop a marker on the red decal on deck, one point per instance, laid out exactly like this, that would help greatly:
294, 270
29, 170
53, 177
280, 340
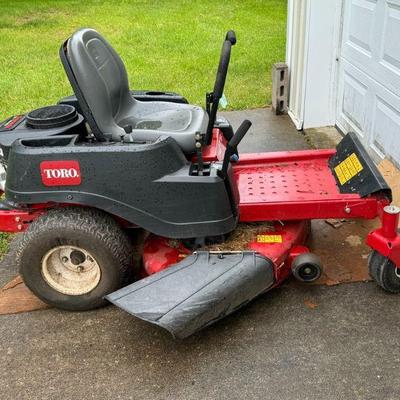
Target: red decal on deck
60, 173
14, 121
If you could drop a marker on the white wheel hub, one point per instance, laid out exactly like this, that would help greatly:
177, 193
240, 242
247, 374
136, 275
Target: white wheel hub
70, 270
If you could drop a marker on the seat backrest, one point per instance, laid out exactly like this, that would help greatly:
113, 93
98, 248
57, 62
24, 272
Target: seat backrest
99, 79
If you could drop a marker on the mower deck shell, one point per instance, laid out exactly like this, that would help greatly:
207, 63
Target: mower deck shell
280, 243
185, 291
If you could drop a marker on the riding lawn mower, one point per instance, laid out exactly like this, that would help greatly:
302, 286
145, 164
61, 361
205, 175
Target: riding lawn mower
85, 178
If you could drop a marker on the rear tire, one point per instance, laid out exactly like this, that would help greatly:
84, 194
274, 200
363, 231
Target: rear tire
384, 272
72, 257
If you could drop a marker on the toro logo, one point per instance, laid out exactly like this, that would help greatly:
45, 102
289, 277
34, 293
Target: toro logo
60, 173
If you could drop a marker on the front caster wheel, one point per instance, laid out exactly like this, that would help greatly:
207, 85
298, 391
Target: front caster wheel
384, 272
307, 267
72, 257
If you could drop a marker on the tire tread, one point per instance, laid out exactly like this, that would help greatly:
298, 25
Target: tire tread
92, 222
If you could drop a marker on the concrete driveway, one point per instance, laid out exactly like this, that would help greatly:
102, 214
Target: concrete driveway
296, 342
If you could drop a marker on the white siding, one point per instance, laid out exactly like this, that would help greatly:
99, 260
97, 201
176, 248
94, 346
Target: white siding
312, 52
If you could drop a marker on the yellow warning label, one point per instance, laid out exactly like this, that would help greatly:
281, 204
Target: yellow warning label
269, 238
348, 168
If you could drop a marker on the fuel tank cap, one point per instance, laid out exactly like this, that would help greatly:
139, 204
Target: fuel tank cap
51, 116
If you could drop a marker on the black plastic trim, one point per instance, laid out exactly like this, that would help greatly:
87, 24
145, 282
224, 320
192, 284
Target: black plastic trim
369, 180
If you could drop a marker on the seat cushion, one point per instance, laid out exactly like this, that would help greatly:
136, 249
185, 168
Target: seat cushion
153, 119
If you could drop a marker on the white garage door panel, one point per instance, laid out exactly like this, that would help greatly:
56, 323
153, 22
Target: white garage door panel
371, 30
359, 28
369, 74
355, 100
386, 133
391, 42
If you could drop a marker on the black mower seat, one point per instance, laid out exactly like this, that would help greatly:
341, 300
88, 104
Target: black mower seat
100, 82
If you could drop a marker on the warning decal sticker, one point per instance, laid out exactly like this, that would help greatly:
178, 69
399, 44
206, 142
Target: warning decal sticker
348, 168
269, 238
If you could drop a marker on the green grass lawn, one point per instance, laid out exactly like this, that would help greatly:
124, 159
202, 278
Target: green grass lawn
166, 45
4, 240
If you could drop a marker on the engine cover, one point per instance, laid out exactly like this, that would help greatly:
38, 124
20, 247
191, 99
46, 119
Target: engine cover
42, 122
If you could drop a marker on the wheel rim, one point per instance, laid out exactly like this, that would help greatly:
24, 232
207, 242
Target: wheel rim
71, 270
309, 272
397, 272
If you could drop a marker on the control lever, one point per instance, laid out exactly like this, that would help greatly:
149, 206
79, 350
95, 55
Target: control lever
232, 145
212, 99
231, 36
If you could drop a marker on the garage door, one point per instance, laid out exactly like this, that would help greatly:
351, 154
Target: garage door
369, 75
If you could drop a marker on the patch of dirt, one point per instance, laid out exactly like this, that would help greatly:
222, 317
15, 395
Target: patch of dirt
354, 240
310, 304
